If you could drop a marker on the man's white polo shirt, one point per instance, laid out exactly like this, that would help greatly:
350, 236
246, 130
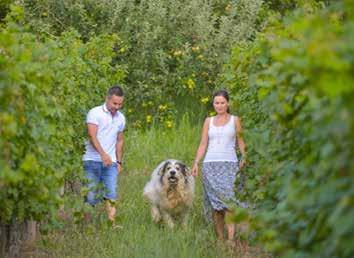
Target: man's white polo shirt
108, 128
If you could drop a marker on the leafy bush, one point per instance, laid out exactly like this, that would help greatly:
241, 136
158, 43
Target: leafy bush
294, 86
45, 90
173, 50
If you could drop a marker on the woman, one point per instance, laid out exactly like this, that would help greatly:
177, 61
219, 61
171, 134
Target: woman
221, 134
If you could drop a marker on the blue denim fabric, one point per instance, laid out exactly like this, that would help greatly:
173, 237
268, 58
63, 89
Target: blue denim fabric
97, 174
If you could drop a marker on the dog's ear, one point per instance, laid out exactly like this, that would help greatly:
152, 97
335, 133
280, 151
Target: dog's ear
188, 171
163, 168
185, 170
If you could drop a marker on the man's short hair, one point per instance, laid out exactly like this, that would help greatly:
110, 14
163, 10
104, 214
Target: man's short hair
115, 90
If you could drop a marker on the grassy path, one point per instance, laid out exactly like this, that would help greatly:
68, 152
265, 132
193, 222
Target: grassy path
138, 237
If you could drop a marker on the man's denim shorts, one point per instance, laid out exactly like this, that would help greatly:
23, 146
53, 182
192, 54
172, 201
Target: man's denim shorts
97, 174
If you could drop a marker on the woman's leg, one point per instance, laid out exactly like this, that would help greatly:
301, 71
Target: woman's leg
230, 226
219, 223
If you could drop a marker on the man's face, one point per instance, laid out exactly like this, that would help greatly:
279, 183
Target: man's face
114, 103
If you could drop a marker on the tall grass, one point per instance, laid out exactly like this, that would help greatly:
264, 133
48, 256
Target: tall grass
145, 149
139, 236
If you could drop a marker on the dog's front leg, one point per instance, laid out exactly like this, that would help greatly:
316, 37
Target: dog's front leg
168, 219
155, 214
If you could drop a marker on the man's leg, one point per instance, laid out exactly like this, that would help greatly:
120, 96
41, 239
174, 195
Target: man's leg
93, 173
110, 180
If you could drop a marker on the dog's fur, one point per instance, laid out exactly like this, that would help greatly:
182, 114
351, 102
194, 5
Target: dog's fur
170, 192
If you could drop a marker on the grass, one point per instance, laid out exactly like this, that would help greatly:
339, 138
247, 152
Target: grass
139, 236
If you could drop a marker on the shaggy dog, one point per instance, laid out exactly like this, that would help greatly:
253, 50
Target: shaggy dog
170, 192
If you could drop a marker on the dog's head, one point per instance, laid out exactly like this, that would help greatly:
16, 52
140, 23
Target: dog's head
174, 172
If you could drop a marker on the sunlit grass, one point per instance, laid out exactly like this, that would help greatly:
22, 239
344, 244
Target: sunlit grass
139, 236
145, 149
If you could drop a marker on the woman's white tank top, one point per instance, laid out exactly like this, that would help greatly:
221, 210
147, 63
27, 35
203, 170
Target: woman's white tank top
221, 142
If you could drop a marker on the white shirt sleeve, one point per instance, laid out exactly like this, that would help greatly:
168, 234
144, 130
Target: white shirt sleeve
122, 126
92, 117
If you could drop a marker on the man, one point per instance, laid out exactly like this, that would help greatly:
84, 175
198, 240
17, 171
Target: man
104, 150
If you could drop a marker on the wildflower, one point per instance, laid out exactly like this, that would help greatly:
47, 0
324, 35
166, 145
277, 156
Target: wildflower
177, 53
130, 110
148, 118
162, 107
204, 100
190, 84
212, 113
169, 124
195, 49
228, 8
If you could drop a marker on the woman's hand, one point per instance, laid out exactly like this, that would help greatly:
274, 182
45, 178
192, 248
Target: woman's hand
242, 164
195, 170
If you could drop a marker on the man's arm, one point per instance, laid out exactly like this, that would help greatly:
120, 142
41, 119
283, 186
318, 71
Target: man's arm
119, 150
92, 132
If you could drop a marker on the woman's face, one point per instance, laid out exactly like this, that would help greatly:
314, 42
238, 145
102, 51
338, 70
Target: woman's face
220, 105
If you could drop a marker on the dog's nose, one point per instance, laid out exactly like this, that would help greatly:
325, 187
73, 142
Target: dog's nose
172, 173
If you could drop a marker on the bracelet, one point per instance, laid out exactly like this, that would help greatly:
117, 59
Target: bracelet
119, 162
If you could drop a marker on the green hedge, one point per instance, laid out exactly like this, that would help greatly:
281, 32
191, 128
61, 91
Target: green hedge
173, 51
294, 88
46, 88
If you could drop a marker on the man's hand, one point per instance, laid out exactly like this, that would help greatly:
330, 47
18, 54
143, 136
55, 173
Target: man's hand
106, 159
119, 168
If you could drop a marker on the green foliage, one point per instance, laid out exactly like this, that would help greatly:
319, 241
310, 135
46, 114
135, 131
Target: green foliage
46, 88
173, 50
4, 8
294, 88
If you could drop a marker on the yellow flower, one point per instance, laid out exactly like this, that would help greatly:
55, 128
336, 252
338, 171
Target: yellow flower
200, 57
177, 53
190, 84
212, 113
228, 8
169, 124
148, 119
195, 49
204, 100
162, 107
130, 110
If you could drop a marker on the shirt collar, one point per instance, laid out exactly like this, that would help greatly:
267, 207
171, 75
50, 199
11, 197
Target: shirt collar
105, 109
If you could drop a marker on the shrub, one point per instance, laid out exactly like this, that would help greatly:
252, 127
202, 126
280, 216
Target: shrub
294, 86
173, 50
46, 89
